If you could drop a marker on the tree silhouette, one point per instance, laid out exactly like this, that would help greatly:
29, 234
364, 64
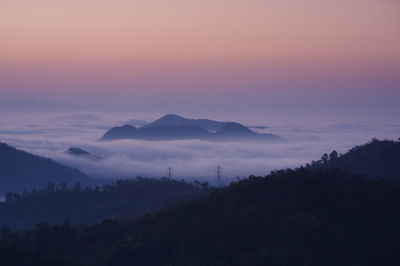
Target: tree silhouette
333, 155
325, 158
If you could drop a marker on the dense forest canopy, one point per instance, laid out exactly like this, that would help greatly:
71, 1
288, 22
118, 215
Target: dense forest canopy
313, 215
126, 199
378, 158
293, 217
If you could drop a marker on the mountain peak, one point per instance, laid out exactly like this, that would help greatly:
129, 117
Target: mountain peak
176, 120
82, 153
172, 126
235, 129
168, 116
122, 132
171, 118
77, 151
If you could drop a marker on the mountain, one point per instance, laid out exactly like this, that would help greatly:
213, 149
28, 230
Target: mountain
20, 170
232, 129
156, 133
176, 120
136, 122
378, 158
82, 153
293, 217
126, 199
236, 131
124, 132
173, 127
258, 127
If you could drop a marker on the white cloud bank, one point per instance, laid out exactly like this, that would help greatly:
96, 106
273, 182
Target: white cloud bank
51, 135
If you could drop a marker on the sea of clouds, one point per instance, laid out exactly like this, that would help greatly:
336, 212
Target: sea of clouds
50, 135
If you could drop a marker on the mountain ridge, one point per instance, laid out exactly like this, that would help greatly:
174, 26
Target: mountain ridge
363, 159
174, 127
21, 170
176, 120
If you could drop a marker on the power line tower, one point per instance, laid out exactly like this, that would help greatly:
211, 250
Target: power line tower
219, 174
170, 172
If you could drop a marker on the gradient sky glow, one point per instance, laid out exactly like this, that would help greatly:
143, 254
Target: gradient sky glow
247, 49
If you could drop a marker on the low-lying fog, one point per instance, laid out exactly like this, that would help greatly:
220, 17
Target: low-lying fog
51, 135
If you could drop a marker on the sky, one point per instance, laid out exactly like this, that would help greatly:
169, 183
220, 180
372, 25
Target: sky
323, 57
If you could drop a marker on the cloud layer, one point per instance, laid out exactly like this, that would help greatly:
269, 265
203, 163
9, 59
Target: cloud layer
52, 135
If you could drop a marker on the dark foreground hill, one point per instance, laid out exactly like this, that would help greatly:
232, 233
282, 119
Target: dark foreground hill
126, 199
378, 158
20, 170
301, 218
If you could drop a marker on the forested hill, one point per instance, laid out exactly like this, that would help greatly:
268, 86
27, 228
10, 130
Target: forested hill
20, 170
126, 199
290, 217
378, 158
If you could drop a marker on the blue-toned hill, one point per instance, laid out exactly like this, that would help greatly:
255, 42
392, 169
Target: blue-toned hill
176, 120
20, 170
173, 127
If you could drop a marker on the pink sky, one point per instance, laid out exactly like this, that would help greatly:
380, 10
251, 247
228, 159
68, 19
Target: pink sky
144, 48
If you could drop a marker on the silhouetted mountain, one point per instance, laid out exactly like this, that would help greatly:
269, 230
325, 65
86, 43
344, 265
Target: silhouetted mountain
82, 153
258, 127
172, 132
306, 218
232, 129
136, 122
374, 159
77, 151
123, 200
124, 132
156, 133
173, 127
236, 131
176, 120
20, 170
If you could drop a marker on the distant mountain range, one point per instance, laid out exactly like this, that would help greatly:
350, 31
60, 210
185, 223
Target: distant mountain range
174, 127
20, 170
